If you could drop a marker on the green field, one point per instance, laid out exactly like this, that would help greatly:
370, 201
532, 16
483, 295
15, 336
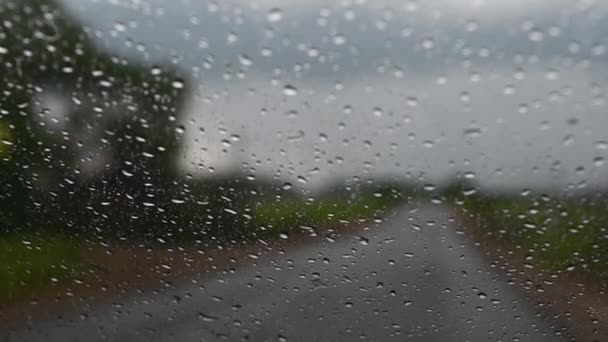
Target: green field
556, 234
30, 263
274, 217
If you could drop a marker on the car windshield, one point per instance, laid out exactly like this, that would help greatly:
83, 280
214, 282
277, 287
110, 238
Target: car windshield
303, 170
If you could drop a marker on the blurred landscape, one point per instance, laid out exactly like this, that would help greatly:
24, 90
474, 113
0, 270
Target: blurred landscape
92, 162
105, 172
555, 234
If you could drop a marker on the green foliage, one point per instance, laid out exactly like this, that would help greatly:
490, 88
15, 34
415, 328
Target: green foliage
5, 139
31, 263
272, 217
556, 234
119, 110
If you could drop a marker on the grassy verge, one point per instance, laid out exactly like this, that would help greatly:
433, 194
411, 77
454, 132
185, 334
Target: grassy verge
275, 217
556, 235
31, 263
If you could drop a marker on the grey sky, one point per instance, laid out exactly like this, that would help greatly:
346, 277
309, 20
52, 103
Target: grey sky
511, 90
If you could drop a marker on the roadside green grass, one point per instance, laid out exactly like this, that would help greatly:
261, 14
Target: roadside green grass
556, 234
30, 263
275, 217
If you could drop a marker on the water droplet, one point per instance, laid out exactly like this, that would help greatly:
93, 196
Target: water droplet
430, 187
290, 90
274, 15
601, 145
230, 211
536, 36
120, 27
465, 97
178, 84
313, 52
245, 60
206, 318
469, 192
363, 241
156, 70
598, 50
339, 39
472, 25
598, 161
428, 43
472, 132
232, 38
469, 175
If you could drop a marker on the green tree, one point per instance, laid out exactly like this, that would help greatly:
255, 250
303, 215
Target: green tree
120, 120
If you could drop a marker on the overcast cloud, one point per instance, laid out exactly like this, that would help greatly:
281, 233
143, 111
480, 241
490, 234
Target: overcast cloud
513, 91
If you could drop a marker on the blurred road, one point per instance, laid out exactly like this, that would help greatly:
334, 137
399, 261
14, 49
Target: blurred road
412, 277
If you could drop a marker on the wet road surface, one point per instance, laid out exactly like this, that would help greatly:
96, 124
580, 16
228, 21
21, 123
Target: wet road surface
412, 277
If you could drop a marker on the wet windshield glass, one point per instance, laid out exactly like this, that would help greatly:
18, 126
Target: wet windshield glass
303, 170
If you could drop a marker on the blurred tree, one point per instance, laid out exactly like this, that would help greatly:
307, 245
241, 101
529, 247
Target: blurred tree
107, 161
